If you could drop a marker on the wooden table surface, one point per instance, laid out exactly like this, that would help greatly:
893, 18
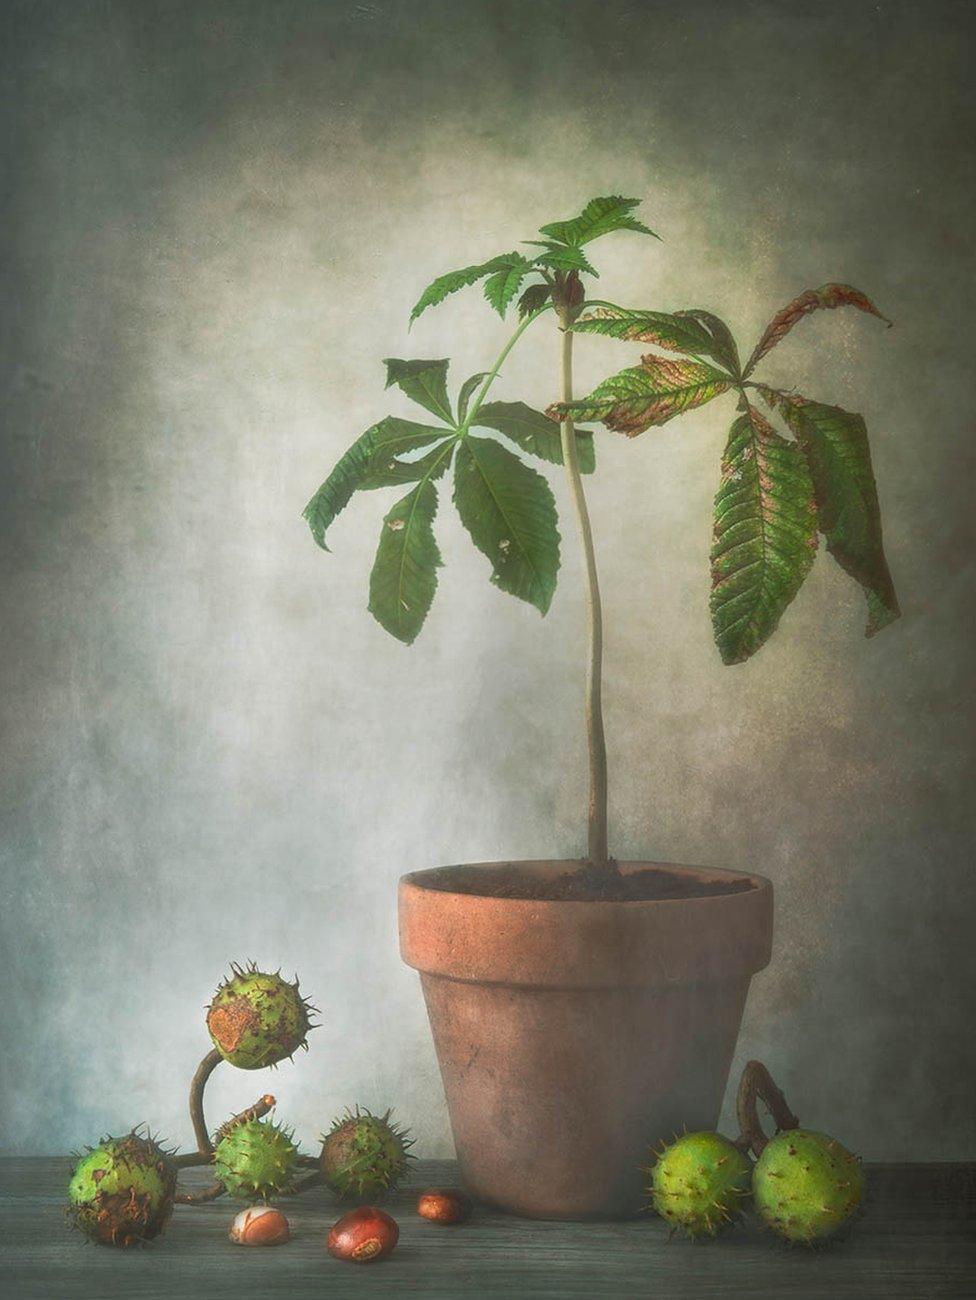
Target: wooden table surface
915, 1240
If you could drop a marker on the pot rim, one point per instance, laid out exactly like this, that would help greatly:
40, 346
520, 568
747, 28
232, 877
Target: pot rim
570, 943
554, 866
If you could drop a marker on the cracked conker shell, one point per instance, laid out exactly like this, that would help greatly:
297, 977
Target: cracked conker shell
257, 1019
444, 1205
121, 1192
363, 1235
260, 1225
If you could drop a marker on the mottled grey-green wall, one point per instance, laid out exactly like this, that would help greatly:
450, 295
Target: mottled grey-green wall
219, 216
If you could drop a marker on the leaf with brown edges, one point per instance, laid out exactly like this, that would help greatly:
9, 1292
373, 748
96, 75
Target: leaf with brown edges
835, 444
827, 296
646, 395
676, 331
764, 538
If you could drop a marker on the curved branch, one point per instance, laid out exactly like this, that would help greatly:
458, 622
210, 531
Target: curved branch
756, 1082
205, 1157
199, 1198
191, 1160
204, 1070
492, 374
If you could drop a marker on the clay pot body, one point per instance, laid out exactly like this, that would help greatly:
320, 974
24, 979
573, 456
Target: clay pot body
574, 1036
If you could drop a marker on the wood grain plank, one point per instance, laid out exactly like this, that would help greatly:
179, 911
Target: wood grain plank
914, 1240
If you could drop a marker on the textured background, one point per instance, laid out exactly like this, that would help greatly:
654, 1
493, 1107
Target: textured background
219, 216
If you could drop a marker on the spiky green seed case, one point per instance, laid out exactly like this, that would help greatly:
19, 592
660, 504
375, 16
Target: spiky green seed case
256, 1160
364, 1155
806, 1186
256, 1018
121, 1192
699, 1182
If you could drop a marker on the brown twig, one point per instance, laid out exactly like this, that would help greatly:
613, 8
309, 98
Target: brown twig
756, 1082
305, 1184
194, 1158
260, 1107
199, 1198
204, 1070
191, 1159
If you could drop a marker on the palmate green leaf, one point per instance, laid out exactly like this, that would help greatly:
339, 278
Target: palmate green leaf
404, 576
723, 346
386, 470
535, 432
509, 510
765, 535
835, 444
504, 284
563, 257
599, 217
424, 382
450, 283
696, 332
645, 395
677, 331
467, 388
828, 296
391, 437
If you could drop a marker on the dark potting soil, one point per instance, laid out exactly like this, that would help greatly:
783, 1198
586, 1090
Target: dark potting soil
587, 884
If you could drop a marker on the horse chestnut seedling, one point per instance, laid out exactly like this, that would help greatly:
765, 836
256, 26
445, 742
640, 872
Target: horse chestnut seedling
261, 1225
444, 1205
363, 1235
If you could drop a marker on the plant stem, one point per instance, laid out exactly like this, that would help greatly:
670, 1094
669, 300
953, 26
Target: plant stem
493, 372
596, 742
204, 1070
598, 302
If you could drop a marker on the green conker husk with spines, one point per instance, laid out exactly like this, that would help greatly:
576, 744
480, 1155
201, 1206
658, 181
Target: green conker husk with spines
256, 1018
121, 1192
806, 1186
364, 1155
256, 1160
699, 1183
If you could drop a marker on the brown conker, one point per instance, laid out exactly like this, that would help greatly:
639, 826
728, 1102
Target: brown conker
363, 1235
444, 1205
260, 1225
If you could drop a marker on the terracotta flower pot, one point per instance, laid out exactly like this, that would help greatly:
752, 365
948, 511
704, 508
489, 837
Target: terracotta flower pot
574, 1036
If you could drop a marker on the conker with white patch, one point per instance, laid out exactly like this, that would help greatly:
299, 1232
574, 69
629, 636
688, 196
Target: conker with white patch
260, 1225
